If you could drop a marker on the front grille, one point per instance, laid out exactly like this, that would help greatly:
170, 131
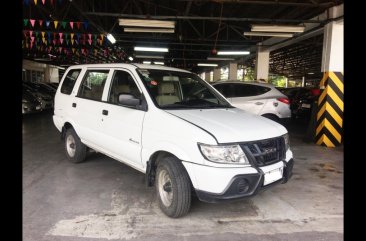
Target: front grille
265, 152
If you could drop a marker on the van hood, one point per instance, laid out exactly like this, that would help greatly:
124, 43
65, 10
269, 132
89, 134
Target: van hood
232, 124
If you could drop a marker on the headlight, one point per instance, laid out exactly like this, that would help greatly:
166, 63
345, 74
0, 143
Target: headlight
287, 141
231, 154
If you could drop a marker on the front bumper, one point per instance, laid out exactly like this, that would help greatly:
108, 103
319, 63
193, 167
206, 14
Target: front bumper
245, 185
30, 108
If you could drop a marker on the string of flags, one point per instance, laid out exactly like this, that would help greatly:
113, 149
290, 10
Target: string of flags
52, 2
67, 51
55, 24
63, 38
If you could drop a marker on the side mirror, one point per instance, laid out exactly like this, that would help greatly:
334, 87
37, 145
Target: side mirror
128, 100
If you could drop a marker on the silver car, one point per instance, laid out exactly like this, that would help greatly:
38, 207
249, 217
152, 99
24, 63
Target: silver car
258, 98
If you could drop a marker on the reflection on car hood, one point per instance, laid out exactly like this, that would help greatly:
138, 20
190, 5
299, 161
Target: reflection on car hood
231, 125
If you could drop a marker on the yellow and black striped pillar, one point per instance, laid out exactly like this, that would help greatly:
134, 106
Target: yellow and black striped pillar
329, 127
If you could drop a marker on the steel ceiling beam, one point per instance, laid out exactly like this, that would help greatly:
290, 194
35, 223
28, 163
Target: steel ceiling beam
301, 4
160, 17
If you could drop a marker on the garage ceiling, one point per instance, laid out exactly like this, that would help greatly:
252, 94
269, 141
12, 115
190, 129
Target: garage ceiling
66, 32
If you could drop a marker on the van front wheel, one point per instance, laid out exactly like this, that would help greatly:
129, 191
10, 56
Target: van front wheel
173, 187
74, 148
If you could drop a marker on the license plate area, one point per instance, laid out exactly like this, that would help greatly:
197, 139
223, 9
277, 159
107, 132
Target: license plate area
305, 105
272, 176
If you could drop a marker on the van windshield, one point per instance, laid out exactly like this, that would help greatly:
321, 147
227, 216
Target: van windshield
180, 90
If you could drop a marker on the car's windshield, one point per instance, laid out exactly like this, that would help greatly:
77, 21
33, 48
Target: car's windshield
180, 90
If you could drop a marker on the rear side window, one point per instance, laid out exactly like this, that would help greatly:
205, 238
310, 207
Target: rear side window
225, 89
69, 81
93, 84
244, 90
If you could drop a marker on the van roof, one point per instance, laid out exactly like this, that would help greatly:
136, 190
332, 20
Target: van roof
131, 65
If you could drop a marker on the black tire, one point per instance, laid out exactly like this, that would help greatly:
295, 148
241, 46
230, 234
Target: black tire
80, 149
180, 187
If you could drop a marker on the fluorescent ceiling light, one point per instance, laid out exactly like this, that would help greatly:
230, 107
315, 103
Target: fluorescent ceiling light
311, 73
278, 28
151, 49
215, 58
233, 52
146, 23
130, 58
146, 62
161, 63
149, 57
204, 64
280, 35
149, 30
111, 38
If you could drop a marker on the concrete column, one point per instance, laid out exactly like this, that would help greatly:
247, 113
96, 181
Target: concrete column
207, 76
329, 116
261, 64
47, 74
233, 71
332, 59
216, 74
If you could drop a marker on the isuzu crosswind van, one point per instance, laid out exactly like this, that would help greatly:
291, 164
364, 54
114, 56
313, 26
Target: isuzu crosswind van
175, 128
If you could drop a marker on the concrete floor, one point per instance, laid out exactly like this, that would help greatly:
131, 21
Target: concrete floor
103, 199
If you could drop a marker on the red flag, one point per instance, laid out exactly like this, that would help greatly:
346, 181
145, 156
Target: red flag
61, 40
72, 25
78, 24
89, 34
90, 41
60, 34
30, 33
60, 49
43, 1
32, 21
40, 22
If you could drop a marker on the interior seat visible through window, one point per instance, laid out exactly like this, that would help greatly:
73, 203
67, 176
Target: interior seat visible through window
167, 94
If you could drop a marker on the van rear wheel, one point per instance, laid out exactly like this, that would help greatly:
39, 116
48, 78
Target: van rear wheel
74, 148
173, 187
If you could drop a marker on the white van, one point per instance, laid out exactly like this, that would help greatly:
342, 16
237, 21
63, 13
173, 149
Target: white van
174, 127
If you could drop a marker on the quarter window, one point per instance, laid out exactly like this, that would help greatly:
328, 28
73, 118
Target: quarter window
93, 84
244, 90
69, 81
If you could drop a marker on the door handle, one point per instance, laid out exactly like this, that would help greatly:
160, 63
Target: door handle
74, 105
259, 103
105, 112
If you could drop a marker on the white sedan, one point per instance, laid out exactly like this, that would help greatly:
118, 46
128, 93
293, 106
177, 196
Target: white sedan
258, 98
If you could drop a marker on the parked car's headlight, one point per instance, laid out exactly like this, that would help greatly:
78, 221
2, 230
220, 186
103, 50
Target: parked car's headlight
287, 141
24, 101
232, 154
